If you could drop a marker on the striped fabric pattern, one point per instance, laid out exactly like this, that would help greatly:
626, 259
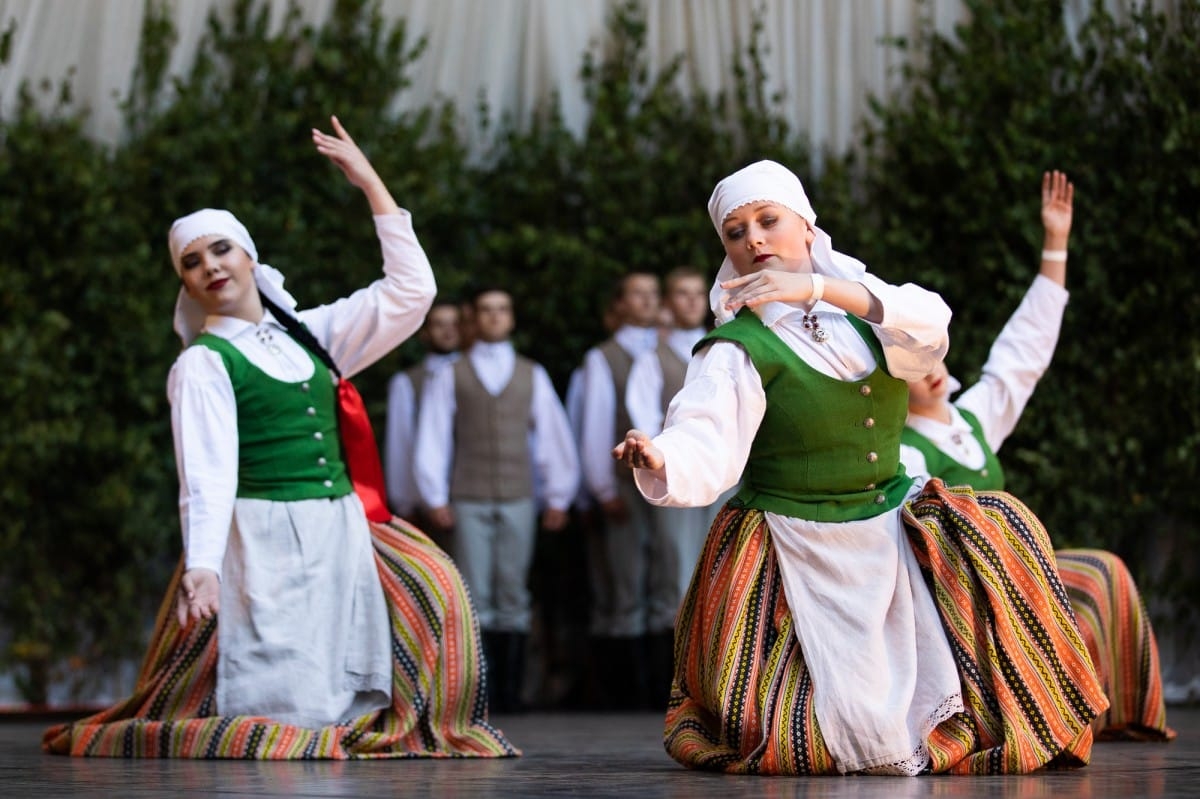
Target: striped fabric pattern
742, 698
438, 706
1120, 640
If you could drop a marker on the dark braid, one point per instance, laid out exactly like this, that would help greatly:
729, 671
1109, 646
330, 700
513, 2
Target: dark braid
298, 331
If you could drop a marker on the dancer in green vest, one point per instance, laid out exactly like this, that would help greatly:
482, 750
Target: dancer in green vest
829, 628
295, 627
957, 441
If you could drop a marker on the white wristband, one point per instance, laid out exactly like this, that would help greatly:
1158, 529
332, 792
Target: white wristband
1057, 256
818, 288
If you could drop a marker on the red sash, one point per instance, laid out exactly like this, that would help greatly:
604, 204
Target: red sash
361, 451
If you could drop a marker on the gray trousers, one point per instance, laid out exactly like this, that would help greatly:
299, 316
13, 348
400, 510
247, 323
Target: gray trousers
643, 590
493, 548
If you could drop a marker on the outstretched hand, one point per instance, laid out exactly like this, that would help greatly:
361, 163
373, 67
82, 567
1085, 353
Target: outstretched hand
1058, 195
637, 452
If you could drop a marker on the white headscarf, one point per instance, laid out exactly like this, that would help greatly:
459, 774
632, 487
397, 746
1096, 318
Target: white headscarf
189, 316
768, 181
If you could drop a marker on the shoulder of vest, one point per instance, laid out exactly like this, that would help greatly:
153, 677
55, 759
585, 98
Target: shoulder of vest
221, 346
738, 329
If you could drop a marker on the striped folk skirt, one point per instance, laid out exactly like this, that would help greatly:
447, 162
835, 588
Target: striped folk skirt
1116, 629
742, 698
439, 706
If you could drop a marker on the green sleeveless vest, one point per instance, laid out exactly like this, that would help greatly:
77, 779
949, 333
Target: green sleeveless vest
827, 450
989, 478
288, 444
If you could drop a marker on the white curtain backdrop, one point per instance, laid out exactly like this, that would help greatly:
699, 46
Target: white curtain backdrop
825, 56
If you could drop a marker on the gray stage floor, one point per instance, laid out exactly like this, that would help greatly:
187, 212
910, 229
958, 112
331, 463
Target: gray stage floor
576, 754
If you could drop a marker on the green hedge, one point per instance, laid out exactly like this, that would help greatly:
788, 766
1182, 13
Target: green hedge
941, 189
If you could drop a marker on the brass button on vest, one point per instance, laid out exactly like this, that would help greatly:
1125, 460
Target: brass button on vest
872, 457
864, 390
868, 423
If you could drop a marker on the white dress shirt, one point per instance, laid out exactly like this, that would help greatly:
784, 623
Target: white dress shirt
356, 330
552, 447
643, 393
1016, 362
400, 435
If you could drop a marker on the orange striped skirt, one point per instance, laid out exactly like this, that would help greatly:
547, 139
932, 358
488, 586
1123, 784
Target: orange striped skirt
1116, 629
741, 701
438, 708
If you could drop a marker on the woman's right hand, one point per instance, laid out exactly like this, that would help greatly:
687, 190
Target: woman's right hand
199, 596
637, 452
342, 150
769, 285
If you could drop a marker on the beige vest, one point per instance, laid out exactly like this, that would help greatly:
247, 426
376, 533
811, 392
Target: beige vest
491, 436
620, 363
674, 370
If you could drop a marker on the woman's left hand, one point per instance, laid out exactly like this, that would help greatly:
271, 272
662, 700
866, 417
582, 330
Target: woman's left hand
769, 285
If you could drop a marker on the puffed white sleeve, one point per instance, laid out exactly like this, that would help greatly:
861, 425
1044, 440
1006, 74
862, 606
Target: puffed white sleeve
433, 452
1017, 360
709, 428
555, 457
360, 329
398, 443
204, 425
915, 329
597, 433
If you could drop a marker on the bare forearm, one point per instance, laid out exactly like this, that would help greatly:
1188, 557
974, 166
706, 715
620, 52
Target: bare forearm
1053, 268
854, 298
379, 198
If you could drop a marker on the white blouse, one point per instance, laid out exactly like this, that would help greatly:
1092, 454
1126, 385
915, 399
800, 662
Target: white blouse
356, 330
643, 392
